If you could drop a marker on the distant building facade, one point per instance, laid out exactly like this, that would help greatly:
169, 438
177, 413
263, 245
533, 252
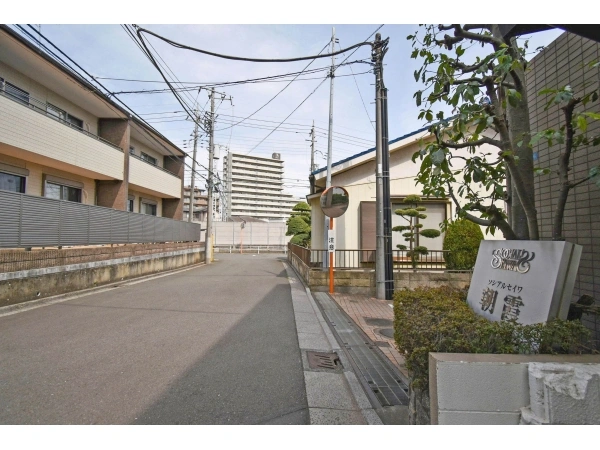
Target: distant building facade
200, 202
254, 188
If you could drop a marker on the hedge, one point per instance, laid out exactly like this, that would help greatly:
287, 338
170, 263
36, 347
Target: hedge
462, 240
440, 320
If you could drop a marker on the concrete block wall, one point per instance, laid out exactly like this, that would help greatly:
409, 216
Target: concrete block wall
38, 274
472, 389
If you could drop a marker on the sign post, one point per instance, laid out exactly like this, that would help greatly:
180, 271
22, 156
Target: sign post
334, 203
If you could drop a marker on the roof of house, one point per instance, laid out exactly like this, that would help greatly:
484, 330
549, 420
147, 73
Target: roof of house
412, 133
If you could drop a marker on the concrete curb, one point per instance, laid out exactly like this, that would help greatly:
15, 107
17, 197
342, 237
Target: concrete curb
334, 397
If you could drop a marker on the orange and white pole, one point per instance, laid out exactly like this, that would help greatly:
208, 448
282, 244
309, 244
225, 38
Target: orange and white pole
331, 261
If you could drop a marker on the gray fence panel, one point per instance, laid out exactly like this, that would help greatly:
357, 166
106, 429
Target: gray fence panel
31, 221
100, 225
119, 227
40, 222
73, 223
136, 228
162, 230
10, 207
148, 228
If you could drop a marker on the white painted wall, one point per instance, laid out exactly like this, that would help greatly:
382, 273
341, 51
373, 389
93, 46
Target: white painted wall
483, 389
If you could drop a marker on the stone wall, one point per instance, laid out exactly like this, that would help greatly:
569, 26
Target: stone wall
363, 281
44, 273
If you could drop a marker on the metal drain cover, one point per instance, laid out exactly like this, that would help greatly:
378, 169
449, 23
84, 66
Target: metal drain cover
387, 332
376, 322
318, 360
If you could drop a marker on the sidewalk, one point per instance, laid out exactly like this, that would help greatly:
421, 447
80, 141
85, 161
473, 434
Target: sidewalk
375, 318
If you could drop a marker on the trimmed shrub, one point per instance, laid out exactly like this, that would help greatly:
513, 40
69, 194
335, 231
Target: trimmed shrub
440, 320
462, 240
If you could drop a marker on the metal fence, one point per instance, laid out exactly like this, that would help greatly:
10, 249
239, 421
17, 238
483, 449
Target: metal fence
365, 259
29, 221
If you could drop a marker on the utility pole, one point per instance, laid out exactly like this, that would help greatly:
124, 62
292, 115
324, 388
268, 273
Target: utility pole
312, 148
383, 251
211, 149
329, 145
193, 183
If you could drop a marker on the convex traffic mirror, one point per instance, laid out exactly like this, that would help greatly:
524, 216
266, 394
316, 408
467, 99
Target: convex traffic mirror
334, 201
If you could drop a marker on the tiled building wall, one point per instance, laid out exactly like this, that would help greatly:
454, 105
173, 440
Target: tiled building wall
565, 62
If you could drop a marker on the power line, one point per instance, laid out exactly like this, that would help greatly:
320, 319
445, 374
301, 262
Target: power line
140, 30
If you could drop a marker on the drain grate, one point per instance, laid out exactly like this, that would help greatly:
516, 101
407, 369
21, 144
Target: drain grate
318, 360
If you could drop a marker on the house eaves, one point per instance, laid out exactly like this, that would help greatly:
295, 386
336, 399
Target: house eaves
367, 155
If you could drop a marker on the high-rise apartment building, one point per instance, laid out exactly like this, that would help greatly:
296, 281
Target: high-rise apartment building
254, 188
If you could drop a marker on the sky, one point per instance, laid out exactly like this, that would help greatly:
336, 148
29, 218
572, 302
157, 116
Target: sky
107, 52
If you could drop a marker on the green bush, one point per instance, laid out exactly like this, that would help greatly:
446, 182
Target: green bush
462, 240
440, 320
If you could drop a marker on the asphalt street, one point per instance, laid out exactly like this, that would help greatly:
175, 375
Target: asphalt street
214, 344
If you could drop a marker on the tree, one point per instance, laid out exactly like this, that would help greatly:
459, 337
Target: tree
299, 225
412, 213
490, 102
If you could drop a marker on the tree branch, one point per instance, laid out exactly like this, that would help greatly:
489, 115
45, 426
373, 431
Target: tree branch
483, 140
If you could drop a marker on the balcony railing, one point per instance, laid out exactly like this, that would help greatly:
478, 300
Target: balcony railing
42, 108
153, 165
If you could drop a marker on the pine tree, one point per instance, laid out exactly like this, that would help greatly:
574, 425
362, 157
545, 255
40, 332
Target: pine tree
412, 213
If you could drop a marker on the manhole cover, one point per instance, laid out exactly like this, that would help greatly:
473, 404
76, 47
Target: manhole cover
379, 322
318, 360
387, 332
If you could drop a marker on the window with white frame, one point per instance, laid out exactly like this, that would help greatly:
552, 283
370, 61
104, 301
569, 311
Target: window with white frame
13, 178
62, 189
148, 207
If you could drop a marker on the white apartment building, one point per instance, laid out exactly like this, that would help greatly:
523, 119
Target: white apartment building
61, 138
254, 188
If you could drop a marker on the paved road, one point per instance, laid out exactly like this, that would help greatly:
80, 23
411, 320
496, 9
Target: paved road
212, 345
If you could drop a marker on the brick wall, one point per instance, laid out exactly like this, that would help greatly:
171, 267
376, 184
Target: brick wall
564, 62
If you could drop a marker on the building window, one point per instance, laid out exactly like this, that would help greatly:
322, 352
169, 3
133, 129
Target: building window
10, 182
148, 207
14, 92
148, 159
61, 192
132, 150
63, 116
130, 200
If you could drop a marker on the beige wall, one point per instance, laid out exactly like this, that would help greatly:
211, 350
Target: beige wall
141, 147
42, 137
34, 182
45, 95
144, 175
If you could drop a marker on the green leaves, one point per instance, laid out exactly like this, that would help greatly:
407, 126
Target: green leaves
438, 157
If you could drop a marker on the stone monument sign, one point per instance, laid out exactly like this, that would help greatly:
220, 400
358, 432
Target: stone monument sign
529, 281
